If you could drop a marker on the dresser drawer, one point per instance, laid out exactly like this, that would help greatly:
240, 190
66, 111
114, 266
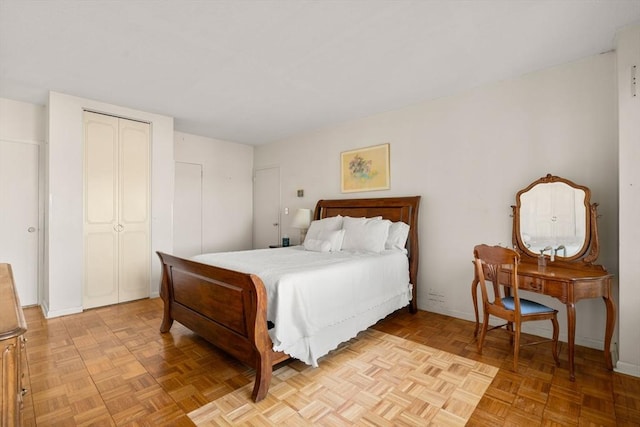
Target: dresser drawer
12, 329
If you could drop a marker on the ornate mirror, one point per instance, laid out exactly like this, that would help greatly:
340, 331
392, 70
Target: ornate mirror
554, 216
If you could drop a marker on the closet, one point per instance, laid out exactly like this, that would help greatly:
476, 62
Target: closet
116, 210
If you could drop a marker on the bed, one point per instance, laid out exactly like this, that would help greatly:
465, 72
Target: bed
228, 306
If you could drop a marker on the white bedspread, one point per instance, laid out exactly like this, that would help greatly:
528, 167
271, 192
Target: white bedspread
319, 300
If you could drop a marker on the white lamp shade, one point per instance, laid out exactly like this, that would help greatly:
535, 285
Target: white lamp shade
302, 219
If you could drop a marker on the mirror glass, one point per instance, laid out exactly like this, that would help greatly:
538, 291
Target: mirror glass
553, 218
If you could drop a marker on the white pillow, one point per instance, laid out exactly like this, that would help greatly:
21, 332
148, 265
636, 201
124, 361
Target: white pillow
335, 238
365, 234
398, 234
317, 245
333, 223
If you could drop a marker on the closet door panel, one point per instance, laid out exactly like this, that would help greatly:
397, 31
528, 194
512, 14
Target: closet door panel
100, 285
101, 169
134, 277
101, 270
134, 172
134, 251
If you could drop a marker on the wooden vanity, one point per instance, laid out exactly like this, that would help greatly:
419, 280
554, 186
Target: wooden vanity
12, 329
556, 234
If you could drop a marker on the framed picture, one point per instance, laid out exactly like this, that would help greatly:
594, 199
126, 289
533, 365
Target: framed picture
365, 169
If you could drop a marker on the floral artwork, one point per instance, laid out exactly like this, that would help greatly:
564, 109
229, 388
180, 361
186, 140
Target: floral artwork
365, 169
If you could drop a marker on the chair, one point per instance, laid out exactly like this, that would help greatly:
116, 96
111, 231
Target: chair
489, 261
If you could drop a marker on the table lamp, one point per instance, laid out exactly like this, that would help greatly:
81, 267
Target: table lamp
301, 220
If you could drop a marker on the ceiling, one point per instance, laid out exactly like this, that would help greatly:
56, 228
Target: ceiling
259, 71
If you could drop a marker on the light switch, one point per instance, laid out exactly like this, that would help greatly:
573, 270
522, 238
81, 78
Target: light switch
286, 211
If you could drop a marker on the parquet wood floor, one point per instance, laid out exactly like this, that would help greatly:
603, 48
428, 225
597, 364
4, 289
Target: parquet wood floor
374, 379
110, 366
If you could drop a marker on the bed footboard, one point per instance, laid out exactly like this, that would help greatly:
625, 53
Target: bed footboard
225, 307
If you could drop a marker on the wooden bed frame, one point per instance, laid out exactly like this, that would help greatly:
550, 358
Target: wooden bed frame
229, 308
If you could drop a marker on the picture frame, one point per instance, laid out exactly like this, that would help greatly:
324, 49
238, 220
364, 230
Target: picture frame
365, 169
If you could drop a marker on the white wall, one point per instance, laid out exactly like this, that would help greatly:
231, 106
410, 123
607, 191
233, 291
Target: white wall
227, 189
628, 54
21, 121
64, 244
467, 156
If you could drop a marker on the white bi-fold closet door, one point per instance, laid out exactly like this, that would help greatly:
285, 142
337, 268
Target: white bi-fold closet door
116, 210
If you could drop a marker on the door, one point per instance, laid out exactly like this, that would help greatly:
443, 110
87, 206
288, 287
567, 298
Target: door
116, 210
266, 207
187, 210
19, 215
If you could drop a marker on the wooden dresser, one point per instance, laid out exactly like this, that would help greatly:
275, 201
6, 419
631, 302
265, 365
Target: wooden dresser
12, 329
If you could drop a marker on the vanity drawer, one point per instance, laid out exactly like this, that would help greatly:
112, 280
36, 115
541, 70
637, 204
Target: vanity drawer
557, 289
552, 288
531, 284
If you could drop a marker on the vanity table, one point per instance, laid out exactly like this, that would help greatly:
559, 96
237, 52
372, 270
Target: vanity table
555, 233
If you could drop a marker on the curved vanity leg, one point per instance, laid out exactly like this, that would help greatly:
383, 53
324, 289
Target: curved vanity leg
474, 295
571, 326
611, 321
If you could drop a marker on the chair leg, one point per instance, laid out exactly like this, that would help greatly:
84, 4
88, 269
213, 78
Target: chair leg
483, 331
516, 345
510, 329
556, 332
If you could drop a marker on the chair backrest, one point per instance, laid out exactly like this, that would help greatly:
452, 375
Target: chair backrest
489, 260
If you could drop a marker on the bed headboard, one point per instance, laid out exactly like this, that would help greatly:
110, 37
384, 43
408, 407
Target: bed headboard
403, 209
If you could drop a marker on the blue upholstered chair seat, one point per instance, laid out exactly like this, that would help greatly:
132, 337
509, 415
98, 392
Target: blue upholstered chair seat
526, 306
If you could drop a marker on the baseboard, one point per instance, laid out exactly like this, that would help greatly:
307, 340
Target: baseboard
530, 328
627, 368
49, 314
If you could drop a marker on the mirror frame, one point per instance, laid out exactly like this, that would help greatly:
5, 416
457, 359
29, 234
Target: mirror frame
589, 251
